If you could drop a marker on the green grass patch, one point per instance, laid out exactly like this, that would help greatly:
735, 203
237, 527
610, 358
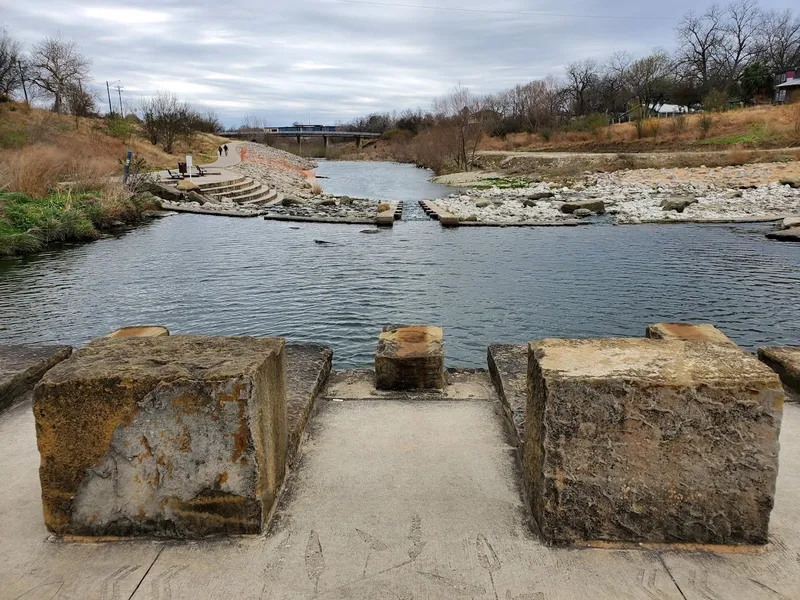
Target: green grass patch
12, 137
29, 224
757, 135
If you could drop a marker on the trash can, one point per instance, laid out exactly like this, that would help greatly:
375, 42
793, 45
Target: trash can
182, 168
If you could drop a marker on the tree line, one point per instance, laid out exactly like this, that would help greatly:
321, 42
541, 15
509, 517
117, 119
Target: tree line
723, 54
56, 73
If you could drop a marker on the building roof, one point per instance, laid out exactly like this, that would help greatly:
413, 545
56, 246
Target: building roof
789, 83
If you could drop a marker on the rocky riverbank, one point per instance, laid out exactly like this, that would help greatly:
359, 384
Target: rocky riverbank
328, 207
287, 173
647, 196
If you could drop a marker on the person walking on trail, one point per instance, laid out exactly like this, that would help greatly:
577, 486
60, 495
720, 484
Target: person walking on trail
225, 147
219, 149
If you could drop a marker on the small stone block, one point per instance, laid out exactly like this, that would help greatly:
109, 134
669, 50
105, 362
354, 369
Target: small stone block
687, 331
139, 331
172, 436
448, 220
22, 366
410, 357
650, 441
785, 361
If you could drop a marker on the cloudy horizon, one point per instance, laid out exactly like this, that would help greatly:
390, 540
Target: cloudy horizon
331, 60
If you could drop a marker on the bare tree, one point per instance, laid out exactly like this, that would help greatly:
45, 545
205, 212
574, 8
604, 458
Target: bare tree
461, 121
648, 79
739, 43
165, 118
780, 39
79, 100
700, 40
581, 77
56, 64
10, 55
252, 122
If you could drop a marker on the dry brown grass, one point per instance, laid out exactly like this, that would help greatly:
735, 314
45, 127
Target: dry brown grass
780, 126
87, 140
316, 188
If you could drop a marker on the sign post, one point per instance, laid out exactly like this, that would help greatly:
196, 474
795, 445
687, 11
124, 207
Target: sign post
128, 158
189, 164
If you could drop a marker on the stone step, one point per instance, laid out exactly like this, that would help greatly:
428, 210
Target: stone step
252, 186
257, 195
212, 186
220, 187
267, 198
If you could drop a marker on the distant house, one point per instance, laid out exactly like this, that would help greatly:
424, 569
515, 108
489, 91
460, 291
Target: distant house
655, 111
787, 86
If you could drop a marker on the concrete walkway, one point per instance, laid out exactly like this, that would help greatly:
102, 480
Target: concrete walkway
233, 157
391, 497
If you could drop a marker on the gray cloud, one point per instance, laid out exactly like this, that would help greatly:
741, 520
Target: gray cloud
334, 59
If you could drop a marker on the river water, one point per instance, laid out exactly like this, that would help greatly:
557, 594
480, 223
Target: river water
214, 275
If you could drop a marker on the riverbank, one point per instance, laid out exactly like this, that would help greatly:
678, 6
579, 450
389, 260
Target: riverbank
291, 175
745, 193
29, 224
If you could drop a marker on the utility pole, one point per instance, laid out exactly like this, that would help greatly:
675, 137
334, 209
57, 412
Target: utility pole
119, 91
108, 89
22, 79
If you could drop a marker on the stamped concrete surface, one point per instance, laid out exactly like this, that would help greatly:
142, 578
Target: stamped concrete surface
390, 499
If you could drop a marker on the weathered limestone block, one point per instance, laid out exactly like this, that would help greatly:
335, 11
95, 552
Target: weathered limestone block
139, 331
596, 206
651, 440
785, 361
308, 367
22, 366
687, 331
176, 436
410, 357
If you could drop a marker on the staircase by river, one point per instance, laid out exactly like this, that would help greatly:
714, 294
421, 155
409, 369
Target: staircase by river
242, 190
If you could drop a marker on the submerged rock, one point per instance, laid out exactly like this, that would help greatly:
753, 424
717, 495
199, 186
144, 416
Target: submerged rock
785, 235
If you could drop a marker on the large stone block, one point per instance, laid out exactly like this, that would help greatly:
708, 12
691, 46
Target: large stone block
22, 366
410, 357
687, 331
177, 436
651, 440
785, 361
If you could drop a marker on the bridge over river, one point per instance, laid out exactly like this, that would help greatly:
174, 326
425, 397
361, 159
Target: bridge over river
300, 133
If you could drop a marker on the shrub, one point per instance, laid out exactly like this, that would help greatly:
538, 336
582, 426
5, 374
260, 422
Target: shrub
715, 101
653, 127
384, 206
705, 124
119, 128
640, 129
679, 124
397, 135
546, 134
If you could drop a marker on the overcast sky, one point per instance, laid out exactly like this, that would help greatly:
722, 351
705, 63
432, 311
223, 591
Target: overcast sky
331, 60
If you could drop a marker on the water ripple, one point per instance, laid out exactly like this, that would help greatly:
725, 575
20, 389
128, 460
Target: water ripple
213, 275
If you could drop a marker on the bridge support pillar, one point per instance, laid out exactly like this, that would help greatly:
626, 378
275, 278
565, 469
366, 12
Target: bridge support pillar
325, 141
358, 143
298, 140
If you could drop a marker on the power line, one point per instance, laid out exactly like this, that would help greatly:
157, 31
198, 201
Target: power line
505, 12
